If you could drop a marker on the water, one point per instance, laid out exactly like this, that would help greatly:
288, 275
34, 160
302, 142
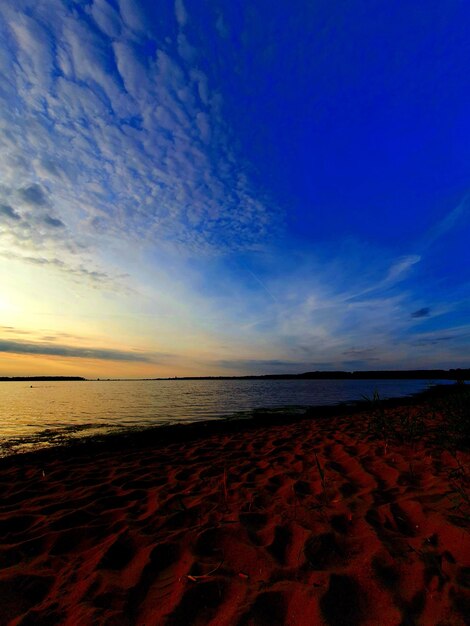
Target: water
51, 413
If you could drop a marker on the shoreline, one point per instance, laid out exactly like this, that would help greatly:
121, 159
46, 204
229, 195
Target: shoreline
174, 433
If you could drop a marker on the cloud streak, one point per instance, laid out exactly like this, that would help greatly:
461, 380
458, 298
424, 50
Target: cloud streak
424, 312
448, 222
93, 277
49, 349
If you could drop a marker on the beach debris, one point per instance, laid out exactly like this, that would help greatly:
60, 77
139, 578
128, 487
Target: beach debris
195, 578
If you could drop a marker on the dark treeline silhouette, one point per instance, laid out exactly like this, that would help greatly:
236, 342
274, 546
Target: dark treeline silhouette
38, 378
452, 374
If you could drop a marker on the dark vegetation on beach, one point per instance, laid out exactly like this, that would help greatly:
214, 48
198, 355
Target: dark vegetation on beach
447, 426
443, 424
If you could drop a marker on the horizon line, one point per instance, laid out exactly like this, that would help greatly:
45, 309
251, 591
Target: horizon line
452, 373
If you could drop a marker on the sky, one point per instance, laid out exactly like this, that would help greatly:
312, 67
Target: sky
198, 187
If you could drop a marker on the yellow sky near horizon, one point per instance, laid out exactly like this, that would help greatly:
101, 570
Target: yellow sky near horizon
97, 332
42, 309
41, 365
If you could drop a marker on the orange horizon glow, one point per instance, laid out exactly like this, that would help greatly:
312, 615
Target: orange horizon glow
40, 365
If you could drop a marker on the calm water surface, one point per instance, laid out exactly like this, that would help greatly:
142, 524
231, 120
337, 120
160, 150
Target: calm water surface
48, 413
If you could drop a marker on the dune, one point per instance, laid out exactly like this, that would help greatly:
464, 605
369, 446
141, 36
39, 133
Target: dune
312, 521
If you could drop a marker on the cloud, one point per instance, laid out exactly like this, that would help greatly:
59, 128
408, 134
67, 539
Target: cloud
131, 70
106, 18
15, 331
327, 310
448, 222
132, 15
401, 267
424, 312
444, 335
94, 277
180, 12
49, 349
34, 55
47, 167
102, 129
221, 27
361, 364
7, 211
362, 353
33, 195
432, 341
53, 222
264, 366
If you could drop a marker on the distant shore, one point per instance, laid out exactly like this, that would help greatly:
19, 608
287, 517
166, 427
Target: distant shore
436, 374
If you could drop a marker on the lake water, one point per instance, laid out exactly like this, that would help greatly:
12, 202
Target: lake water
41, 414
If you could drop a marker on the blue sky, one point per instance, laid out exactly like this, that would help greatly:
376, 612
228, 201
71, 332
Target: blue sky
204, 187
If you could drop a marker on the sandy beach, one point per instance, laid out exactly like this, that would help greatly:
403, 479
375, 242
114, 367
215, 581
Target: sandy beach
312, 521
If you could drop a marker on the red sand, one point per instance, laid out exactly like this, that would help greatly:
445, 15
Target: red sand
237, 529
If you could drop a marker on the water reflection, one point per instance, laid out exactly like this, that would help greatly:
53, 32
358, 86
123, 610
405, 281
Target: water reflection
52, 413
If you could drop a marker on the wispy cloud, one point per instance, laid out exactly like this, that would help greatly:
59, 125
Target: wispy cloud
448, 222
51, 349
401, 267
459, 334
423, 312
268, 366
348, 315
93, 277
180, 12
8, 212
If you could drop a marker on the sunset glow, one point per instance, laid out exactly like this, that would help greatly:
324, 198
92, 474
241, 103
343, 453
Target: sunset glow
197, 188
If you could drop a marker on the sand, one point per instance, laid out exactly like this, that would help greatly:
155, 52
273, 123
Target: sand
309, 522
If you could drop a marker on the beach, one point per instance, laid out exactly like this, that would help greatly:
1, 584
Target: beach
314, 520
